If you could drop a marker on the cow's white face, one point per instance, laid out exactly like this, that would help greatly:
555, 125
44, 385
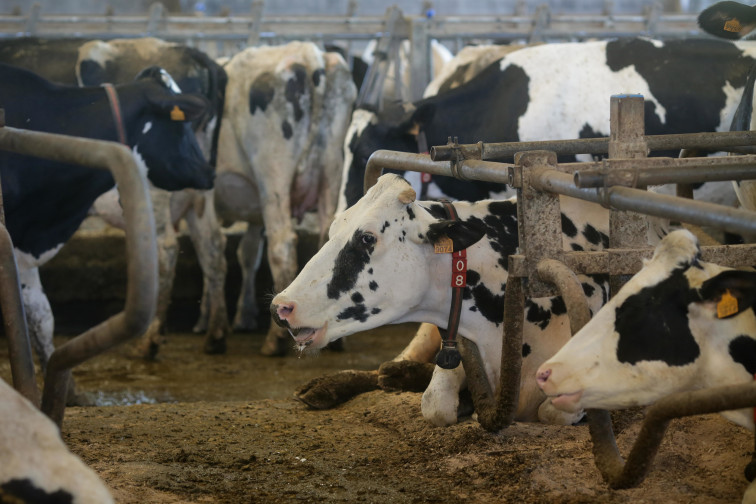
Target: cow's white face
375, 269
660, 334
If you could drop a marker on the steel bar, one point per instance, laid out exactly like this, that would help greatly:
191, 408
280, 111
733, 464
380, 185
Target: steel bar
700, 213
14, 322
620, 474
504, 150
141, 249
656, 171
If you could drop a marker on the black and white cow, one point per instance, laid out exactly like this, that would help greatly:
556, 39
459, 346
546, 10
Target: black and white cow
37, 466
287, 110
379, 267
558, 91
94, 62
45, 201
680, 324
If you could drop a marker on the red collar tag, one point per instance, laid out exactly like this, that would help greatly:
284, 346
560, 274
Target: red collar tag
459, 269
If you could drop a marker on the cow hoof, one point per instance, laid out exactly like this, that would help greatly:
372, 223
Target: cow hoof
215, 346
273, 346
405, 375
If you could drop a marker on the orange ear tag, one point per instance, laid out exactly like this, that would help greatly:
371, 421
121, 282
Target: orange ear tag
177, 114
444, 245
727, 306
732, 25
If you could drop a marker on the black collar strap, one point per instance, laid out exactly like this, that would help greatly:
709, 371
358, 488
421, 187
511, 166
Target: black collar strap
449, 357
115, 108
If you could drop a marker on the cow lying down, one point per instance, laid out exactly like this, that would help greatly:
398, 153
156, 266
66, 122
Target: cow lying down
36, 466
679, 324
379, 267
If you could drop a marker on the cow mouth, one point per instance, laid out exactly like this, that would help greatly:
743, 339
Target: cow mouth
307, 336
567, 402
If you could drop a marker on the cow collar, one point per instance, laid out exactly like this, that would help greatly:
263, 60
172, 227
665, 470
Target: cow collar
115, 108
425, 178
449, 357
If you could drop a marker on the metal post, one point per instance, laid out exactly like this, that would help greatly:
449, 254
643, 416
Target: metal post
254, 30
420, 58
626, 229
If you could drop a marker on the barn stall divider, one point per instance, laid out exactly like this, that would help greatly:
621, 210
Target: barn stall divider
542, 268
141, 253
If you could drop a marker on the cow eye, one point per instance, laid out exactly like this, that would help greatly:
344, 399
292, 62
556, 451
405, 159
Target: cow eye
368, 238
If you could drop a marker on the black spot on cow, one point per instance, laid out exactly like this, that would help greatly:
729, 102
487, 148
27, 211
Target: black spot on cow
473, 277
261, 93
525, 350
500, 227
286, 129
410, 212
437, 210
23, 490
743, 351
357, 298
568, 227
595, 237
92, 71
588, 289
350, 262
370, 271
295, 90
491, 305
557, 306
357, 312
373, 285
375, 311
317, 75
576, 247
537, 315
385, 225
653, 324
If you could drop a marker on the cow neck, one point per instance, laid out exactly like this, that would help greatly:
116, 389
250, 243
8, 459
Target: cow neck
449, 357
115, 109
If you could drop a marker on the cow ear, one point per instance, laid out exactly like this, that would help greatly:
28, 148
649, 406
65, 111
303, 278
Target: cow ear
730, 20
183, 107
733, 290
461, 233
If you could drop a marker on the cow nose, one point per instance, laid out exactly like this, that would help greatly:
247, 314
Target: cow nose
542, 377
281, 313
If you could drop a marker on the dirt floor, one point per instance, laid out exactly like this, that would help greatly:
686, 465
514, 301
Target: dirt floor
196, 428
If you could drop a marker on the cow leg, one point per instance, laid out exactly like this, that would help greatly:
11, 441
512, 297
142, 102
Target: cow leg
167, 242
440, 400
39, 317
249, 253
209, 244
282, 258
412, 368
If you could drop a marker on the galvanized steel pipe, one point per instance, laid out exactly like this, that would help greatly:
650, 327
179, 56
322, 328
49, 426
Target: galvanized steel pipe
141, 250
700, 213
499, 150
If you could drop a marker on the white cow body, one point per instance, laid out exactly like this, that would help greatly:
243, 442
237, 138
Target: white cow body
36, 465
379, 267
287, 110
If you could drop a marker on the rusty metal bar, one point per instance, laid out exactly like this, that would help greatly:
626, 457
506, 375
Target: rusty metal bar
14, 322
141, 249
662, 170
503, 150
700, 213
627, 474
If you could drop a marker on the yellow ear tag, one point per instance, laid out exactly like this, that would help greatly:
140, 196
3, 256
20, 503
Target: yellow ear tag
727, 306
177, 114
444, 245
732, 25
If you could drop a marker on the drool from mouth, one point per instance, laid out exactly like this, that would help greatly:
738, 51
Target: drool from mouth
306, 336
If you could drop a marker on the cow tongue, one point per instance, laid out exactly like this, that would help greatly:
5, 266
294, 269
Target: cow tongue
304, 336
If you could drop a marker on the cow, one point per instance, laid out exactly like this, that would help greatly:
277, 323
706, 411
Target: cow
466, 64
46, 201
379, 267
679, 324
286, 113
37, 466
555, 92
94, 62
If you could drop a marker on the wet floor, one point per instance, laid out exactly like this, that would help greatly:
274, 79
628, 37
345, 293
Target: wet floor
183, 373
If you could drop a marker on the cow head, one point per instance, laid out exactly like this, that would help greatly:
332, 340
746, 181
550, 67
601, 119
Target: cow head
678, 324
730, 20
377, 268
161, 133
